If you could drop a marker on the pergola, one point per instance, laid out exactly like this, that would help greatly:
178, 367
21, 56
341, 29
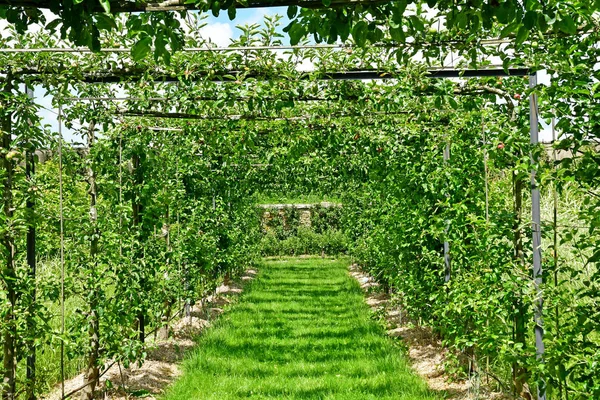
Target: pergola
117, 76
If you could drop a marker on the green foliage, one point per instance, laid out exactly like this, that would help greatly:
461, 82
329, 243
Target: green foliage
412, 22
375, 146
305, 241
287, 232
180, 239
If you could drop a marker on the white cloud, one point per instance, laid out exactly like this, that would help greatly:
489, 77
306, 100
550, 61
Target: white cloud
218, 33
305, 66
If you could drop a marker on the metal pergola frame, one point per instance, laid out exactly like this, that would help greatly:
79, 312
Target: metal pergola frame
482, 42
124, 6
119, 77
433, 73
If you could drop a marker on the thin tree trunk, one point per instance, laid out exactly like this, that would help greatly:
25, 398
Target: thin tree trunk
9, 272
31, 261
137, 210
520, 372
92, 371
170, 300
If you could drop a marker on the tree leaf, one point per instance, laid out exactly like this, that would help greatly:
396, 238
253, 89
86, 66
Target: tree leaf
292, 11
567, 25
141, 49
359, 33
231, 12
522, 35
105, 22
51, 26
297, 32
106, 5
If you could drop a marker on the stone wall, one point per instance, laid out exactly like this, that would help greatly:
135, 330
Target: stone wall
303, 209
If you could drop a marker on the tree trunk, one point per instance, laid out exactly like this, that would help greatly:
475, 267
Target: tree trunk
169, 300
137, 210
520, 372
92, 371
31, 262
9, 271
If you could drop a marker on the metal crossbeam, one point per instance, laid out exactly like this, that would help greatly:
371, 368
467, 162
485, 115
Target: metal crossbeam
125, 6
120, 76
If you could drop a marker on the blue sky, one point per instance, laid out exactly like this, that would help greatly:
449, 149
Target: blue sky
220, 30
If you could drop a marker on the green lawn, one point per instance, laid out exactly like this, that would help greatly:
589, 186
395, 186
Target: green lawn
302, 331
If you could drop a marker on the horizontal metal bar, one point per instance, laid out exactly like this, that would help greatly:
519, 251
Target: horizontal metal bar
332, 76
157, 129
120, 6
239, 117
475, 73
246, 48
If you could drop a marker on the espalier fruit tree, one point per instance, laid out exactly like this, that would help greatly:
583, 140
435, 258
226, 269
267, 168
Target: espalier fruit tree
156, 207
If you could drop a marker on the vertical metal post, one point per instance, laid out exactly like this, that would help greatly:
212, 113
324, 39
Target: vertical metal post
62, 250
537, 235
446, 243
29, 173
9, 319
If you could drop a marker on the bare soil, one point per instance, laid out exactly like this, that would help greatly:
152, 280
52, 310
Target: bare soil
163, 363
424, 350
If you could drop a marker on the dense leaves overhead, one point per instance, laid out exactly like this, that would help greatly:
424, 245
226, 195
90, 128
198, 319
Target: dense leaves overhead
420, 24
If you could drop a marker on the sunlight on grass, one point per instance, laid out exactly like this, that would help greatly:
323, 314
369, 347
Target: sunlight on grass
303, 331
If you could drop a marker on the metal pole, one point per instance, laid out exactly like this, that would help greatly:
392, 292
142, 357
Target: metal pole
62, 252
29, 172
446, 243
489, 42
537, 235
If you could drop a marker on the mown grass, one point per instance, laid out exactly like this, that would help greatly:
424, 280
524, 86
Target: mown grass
302, 331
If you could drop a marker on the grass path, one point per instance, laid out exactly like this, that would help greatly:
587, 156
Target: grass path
302, 331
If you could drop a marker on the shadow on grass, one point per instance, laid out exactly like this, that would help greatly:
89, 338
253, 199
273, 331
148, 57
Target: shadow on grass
303, 332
